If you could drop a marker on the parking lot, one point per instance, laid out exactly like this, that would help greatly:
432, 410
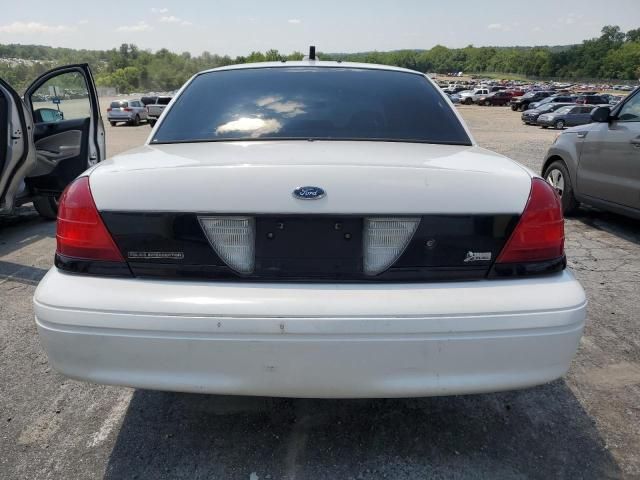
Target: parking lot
586, 425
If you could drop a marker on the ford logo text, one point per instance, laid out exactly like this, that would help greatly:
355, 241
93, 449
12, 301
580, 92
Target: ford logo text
309, 193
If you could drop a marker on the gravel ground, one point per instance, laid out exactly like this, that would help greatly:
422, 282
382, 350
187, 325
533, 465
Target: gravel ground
584, 426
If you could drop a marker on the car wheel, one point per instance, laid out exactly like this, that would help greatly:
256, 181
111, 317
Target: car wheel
152, 122
559, 124
468, 101
136, 121
487, 103
544, 126
514, 107
47, 207
558, 177
113, 124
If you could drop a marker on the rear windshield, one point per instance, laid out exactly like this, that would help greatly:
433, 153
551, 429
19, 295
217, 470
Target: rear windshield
163, 100
311, 103
119, 104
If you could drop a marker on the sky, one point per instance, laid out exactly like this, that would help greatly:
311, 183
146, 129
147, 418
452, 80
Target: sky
237, 27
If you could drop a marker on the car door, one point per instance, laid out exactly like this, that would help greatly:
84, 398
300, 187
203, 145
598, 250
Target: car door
577, 116
68, 132
609, 167
17, 153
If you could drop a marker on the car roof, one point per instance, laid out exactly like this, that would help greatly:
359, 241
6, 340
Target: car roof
312, 63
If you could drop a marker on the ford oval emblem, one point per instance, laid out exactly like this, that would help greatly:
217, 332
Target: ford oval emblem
309, 193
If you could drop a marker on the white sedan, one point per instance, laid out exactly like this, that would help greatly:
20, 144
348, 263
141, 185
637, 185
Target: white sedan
311, 229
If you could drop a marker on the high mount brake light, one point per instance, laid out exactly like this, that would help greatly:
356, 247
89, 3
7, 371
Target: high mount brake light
539, 234
80, 232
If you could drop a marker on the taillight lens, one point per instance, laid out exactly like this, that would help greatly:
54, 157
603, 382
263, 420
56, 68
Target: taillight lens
384, 241
233, 239
128, 109
539, 235
80, 232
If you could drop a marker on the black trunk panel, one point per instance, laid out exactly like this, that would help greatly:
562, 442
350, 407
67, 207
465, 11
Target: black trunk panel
308, 248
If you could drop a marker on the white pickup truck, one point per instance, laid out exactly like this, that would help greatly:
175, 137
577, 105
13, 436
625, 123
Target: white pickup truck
470, 96
154, 110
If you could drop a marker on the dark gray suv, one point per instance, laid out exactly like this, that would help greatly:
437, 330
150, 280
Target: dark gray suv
599, 164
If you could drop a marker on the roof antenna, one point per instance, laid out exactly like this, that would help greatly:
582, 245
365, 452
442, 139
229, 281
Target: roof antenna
312, 52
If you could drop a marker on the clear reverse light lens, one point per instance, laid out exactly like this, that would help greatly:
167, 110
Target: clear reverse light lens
233, 239
384, 241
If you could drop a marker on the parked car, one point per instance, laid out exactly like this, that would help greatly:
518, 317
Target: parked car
516, 92
553, 99
615, 99
568, 116
530, 117
379, 259
454, 97
149, 100
155, 109
597, 164
496, 98
592, 100
53, 140
131, 112
522, 103
471, 96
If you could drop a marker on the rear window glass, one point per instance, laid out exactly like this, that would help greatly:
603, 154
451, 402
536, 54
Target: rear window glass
119, 104
311, 103
164, 100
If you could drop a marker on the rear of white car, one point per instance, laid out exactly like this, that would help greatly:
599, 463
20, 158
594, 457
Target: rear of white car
333, 231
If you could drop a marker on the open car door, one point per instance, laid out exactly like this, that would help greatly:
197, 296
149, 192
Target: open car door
68, 133
17, 152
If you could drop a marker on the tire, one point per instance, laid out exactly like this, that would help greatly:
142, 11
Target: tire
152, 122
487, 103
544, 126
559, 125
523, 107
113, 124
468, 101
514, 107
136, 121
557, 175
47, 207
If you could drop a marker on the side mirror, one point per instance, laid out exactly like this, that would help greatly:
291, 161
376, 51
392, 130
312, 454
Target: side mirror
601, 114
47, 115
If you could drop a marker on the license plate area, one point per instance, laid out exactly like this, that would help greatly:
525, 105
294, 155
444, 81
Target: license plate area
308, 247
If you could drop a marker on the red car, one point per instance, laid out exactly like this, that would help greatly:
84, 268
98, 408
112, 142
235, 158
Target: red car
500, 97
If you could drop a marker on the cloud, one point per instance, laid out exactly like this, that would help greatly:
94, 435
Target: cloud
84, 21
141, 26
499, 27
34, 27
294, 21
536, 29
175, 20
170, 19
159, 10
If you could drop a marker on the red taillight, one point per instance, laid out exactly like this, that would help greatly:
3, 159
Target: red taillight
128, 109
109, 109
539, 235
80, 231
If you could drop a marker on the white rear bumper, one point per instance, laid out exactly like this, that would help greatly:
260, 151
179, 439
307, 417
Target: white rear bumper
311, 340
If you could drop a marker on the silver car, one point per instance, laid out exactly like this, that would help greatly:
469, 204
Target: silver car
599, 164
131, 112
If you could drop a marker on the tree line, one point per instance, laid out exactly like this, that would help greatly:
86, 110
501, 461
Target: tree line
614, 55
